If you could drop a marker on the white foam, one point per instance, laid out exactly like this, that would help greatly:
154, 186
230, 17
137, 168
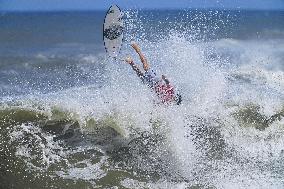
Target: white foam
206, 92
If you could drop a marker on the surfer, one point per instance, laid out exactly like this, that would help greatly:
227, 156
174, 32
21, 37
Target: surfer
161, 86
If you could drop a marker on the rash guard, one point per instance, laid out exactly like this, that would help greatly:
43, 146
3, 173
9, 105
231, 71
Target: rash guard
164, 91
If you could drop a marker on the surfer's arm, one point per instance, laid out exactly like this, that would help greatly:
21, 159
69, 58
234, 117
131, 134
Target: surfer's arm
143, 59
134, 67
137, 70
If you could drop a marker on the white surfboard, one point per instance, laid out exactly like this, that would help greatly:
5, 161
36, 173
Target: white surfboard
113, 31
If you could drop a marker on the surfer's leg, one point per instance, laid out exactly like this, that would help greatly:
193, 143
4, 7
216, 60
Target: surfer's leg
143, 59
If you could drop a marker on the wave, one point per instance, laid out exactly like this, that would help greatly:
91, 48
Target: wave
231, 119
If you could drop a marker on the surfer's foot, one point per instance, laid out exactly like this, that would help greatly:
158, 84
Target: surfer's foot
129, 60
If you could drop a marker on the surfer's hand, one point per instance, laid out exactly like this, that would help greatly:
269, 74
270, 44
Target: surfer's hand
129, 60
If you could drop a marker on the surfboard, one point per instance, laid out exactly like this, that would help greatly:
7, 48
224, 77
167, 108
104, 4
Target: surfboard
113, 31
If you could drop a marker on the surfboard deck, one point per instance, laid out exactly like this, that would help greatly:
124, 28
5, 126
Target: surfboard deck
113, 31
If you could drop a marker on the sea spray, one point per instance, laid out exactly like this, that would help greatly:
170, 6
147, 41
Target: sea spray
74, 118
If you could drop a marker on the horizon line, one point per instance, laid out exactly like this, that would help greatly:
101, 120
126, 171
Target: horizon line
143, 9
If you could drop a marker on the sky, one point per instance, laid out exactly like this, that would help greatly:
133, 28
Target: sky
56, 5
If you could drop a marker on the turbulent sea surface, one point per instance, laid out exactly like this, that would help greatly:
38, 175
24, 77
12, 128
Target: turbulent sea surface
72, 118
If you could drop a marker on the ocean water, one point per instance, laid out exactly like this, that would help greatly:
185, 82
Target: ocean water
70, 117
